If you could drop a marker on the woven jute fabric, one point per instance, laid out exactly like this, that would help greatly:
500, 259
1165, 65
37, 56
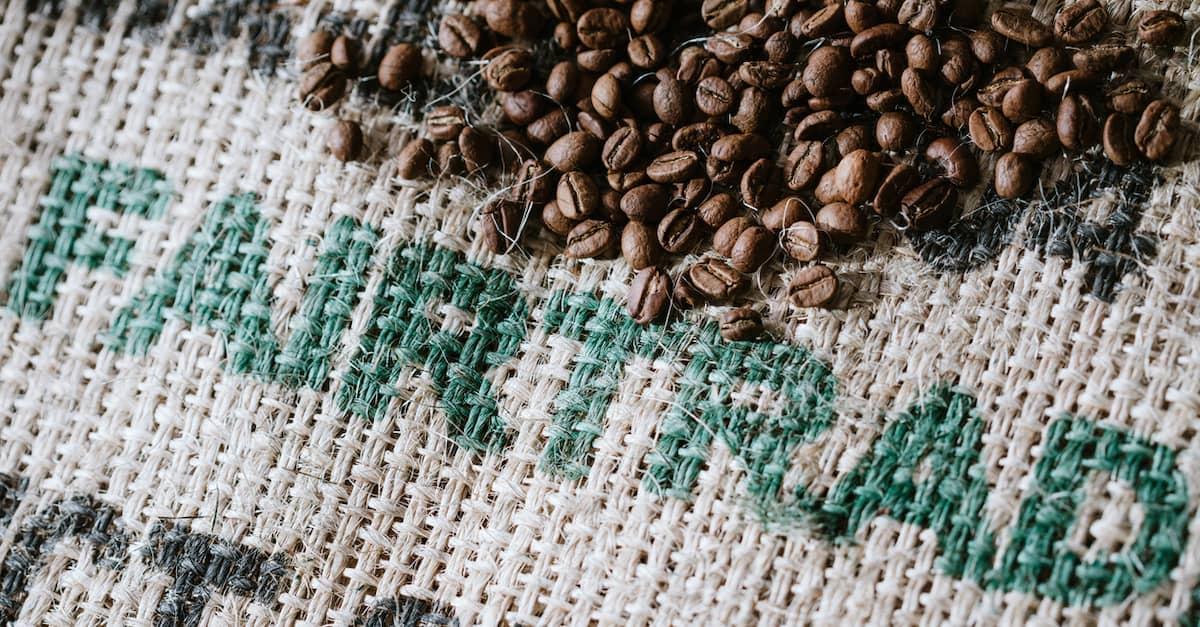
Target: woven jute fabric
244, 383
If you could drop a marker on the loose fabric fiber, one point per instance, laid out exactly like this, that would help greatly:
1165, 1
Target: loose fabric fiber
242, 382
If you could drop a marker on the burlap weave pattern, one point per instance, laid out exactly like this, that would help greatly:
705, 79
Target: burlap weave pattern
259, 455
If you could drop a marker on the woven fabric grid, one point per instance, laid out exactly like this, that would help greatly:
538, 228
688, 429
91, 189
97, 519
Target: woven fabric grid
368, 511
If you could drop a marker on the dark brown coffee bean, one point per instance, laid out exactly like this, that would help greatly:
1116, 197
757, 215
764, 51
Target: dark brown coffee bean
727, 236
578, 150
649, 296
577, 195
445, 122
1023, 101
1037, 138
922, 53
449, 159
593, 124
728, 48
827, 190
854, 137
1103, 57
1072, 82
958, 114
321, 86
639, 245
597, 61
721, 14
866, 81
549, 127
841, 222
606, 97
1130, 97
1021, 27
459, 36
674, 167
1047, 62
698, 137
813, 286
500, 225
534, 183
860, 15
602, 28
476, 149
919, 15
754, 247
509, 70
759, 26
625, 181
646, 203
679, 231
591, 239
891, 63
718, 209
886, 100
958, 65
563, 81
805, 164
672, 102
521, 107
345, 141
314, 48
714, 96
895, 131
346, 54
518, 19
555, 221
1156, 131
857, 176
512, 150
1160, 27
1078, 123
781, 47
621, 149
827, 21
990, 130
741, 147
876, 38
647, 52
416, 159
921, 94
400, 66
785, 213
1119, 145
929, 205
765, 74
753, 111
988, 46
649, 16
610, 207
565, 37
955, 159
828, 69
1016, 174
722, 172
819, 125
895, 185
715, 281
741, 324
802, 241
1080, 21
761, 184
691, 193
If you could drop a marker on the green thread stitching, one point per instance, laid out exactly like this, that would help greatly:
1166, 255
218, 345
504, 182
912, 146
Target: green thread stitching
401, 335
63, 235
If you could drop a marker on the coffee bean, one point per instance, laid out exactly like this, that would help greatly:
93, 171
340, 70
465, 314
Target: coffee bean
919, 15
761, 184
597, 61
698, 137
416, 159
876, 38
955, 159
753, 111
802, 241
860, 15
1119, 145
345, 141
1130, 97
512, 149
857, 176
649, 296
721, 14
895, 131
992, 94
892, 63
1047, 62
765, 74
1077, 123
866, 81
459, 36
781, 47
646, 203
1080, 21
577, 195
819, 125
1037, 138
400, 66
522, 107
672, 102
958, 115
649, 16
895, 185
549, 127
785, 213
639, 245
718, 209
565, 36
625, 181
321, 86
534, 183
1023, 101
805, 164
621, 149
759, 26
714, 96
679, 231
715, 281
449, 159
812, 286
647, 52
593, 124
610, 207
518, 19
988, 46
476, 149
445, 122
922, 53
989, 129
346, 54
1156, 131
921, 93
1103, 58
1160, 27
500, 226
958, 64
827, 21
1021, 27
929, 205
563, 81
1015, 175
827, 190
727, 236
741, 324
508, 70
741, 147
555, 221
854, 137
591, 239
728, 48
827, 69
674, 167
841, 222
606, 97
722, 172
578, 150
314, 48
602, 28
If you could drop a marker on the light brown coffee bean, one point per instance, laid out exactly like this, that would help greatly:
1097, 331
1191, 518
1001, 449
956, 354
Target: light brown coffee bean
563, 81
812, 286
718, 209
625, 181
841, 222
518, 19
602, 28
895, 185
500, 225
1071, 82
346, 54
1117, 138
819, 125
828, 68
715, 281
674, 167
860, 15
759, 26
1015, 175
649, 296
555, 221
741, 324
781, 47
802, 241
854, 137
1023, 101
958, 115
857, 176
621, 149
314, 48
955, 159
649, 16
460, 36
753, 111
606, 97
827, 190
727, 236
805, 164
1080, 21
646, 203
1047, 62
521, 107
929, 205
345, 141
785, 213
1160, 27
549, 127
672, 102
958, 64
761, 184
895, 131
921, 93
577, 195
416, 160
990, 130
865, 81
878, 37
1103, 57
578, 150
741, 147
509, 70
322, 86
639, 245
1037, 138
445, 122
714, 96
728, 48
680, 231
765, 74
400, 66
647, 52
1157, 130
1130, 97
988, 46
597, 61
1077, 122
591, 239
1021, 27
922, 53
722, 172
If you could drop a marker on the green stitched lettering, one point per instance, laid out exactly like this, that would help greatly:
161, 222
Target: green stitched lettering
421, 319
64, 235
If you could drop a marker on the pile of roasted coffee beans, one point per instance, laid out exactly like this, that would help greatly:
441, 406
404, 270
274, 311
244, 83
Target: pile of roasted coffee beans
786, 126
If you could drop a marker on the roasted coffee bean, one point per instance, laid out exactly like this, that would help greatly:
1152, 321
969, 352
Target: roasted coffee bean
476, 149
606, 97
727, 236
649, 16
591, 239
929, 205
919, 15
759, 26
860, 15
781, 47
895, 185
988, 46
621, 149
658, 138
741, 147
698, 137
690, 194
857, 176
828, 69
1160, 27
534, 183
1023, 101
922, 53
649, 296
345, 141
826, 21
460, 36
577, 195
445, 122
805, 165
639, 245
416, 159
321, 86
812, 286
715, 281
555, 221
500, 225
563, 82
753, 111
835, 102
854, 137
765, 74
891, 63
827, 190
509, 70
512, 149
741, 324
1015, 175
1047, 62
728, 48
784, 213
646, 52
1103, 57
886, 100
518, 19
549, 127
921, 93
721, 14
522, 107
895, 131
802, 241
1080, 21
955, 159
1071, 82
958, 65
565, 36
876, 38
1130, 97
718, 209
680, 231
865, 81
1118, 141
722, 172
1021, 27
958, 115
646, 203
625, 181
1037, 138
818, 125
1156, 131
610, 207
761, 184
400, 66
714, 96
1078, 123
597, 61
314, 48
990, 130
346, 54
992, 94
841, 222
602, 28
674, 167
578, 150
672, 102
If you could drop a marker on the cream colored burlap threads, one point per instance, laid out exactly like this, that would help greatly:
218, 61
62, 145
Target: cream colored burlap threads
174, 449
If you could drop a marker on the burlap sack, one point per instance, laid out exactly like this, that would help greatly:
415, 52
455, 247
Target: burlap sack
244, 383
